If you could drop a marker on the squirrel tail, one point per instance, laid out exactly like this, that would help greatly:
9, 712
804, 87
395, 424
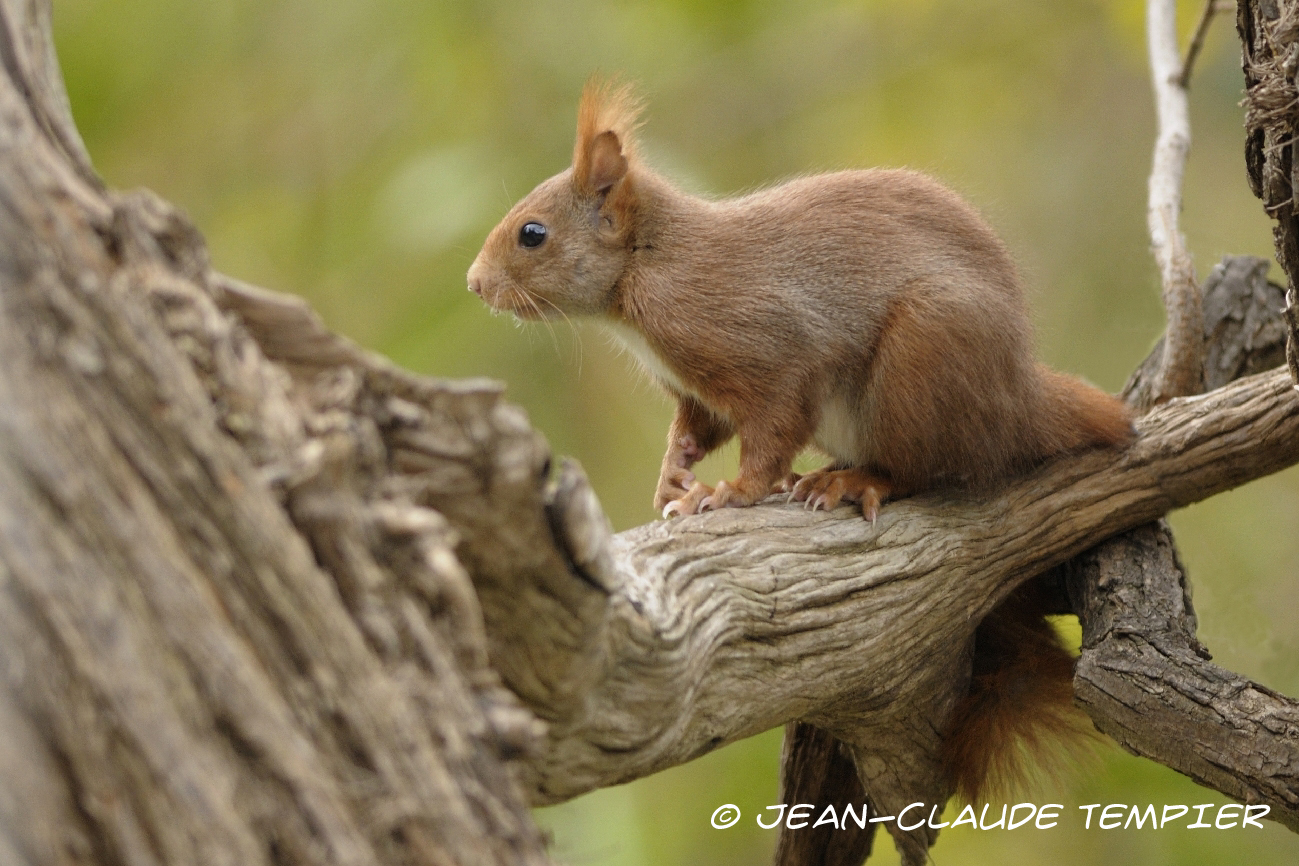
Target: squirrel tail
1079, 415
1020, 710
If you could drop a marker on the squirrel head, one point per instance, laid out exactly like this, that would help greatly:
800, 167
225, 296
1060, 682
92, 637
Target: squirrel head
563, 248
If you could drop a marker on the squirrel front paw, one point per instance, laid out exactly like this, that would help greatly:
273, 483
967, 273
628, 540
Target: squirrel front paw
691, 502
729, 495
676, 479
700, 498
674, 483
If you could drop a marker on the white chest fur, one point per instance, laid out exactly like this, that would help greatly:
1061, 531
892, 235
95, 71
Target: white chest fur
649, 359
840, 432
836, 435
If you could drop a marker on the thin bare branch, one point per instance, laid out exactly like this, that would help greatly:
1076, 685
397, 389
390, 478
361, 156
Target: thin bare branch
1211, 8
1180, 374
1291, 312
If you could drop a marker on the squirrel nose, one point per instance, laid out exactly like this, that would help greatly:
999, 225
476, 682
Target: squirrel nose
476, 278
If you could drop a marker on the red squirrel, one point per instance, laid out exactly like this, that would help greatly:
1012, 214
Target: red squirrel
871, 313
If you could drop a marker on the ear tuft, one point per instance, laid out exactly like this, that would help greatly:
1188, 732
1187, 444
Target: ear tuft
606, 123
606, 163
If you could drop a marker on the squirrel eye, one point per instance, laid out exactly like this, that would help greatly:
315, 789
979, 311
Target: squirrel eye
532, 234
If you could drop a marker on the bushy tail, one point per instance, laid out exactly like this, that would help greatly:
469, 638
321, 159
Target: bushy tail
1079, 415
1019, 714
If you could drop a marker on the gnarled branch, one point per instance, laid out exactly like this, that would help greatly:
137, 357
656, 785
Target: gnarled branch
1146, 680
840, 621
643, 650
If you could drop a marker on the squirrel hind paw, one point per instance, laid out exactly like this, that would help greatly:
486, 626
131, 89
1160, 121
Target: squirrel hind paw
828, 488
729, 495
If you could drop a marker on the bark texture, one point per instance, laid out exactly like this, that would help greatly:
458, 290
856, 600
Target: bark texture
1148, 683
817, 768
225, 637
1269, 32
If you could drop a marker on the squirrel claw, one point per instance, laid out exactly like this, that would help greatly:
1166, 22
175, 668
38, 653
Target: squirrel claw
691, 502
674, 486
787, 484
825, 489
727, 495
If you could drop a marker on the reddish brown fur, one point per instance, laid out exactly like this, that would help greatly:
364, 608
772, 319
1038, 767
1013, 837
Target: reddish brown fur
1020, 702
606, 107
871, 313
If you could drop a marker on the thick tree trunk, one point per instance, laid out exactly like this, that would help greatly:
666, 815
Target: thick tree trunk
226, 636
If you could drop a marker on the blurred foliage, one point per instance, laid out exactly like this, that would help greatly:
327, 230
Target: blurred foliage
356, 153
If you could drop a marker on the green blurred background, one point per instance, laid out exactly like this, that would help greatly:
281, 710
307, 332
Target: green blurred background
356, 153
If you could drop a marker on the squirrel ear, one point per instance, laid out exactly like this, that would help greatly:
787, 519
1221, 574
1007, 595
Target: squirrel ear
605, 147
605, 164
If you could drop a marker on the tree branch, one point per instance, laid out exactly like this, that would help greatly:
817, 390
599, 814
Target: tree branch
642, 649
1180, 372
1211, 8
815, 606
1146, 680
644, 653
817, 768
1143, 675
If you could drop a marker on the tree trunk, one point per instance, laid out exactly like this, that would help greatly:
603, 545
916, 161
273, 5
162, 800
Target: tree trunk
227, 635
